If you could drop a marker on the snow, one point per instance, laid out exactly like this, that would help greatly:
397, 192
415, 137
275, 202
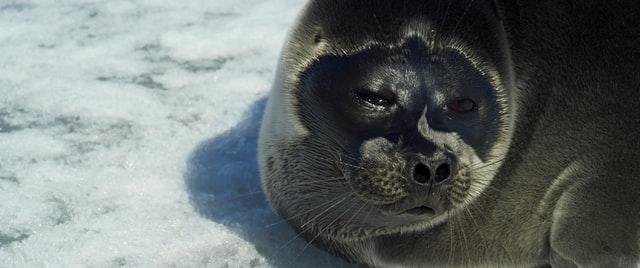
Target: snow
128, 133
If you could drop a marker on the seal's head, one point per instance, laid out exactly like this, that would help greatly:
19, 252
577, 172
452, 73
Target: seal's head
386, 116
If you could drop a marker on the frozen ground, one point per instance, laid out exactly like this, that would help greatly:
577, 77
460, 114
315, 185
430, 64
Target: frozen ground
128, 133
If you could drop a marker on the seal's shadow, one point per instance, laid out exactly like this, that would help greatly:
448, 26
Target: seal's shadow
224, 185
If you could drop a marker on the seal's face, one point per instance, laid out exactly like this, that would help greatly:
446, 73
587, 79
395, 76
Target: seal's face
411, 127
391, 132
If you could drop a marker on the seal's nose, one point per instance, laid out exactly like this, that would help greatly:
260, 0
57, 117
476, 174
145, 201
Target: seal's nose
443, 172
421, 173
427, 172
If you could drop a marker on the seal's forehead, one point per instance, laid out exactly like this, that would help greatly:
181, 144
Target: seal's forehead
356, 21
342, 28
347, 27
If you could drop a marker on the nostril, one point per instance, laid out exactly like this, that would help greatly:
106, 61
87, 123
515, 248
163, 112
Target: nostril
421, 173
443, 172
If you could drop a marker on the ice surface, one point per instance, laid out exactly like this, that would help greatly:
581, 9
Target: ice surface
128, 133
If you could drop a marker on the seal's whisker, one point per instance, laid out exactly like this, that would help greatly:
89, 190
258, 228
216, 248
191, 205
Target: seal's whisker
307, 211
325, 211
466, 242
348, 156
473, 219
321, 222
475, 191
475, 223
475, 207
460, 245
327, 226
451, 239
330, 216
351, 165
307, 229
349, 221
483, 165
444, 18
337, 160
322, 182
487, 185
366, 217
466, 10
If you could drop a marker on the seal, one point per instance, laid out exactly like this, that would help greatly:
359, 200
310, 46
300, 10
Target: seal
459, 133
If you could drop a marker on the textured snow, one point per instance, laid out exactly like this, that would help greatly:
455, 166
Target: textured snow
128, 133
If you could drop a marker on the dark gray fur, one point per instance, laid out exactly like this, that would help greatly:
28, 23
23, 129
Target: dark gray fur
566, 189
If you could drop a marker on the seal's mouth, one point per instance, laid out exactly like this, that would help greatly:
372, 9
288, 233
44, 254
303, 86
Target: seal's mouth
419, 211
409, 211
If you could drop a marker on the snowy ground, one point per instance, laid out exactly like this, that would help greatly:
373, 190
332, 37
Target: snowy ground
128, 133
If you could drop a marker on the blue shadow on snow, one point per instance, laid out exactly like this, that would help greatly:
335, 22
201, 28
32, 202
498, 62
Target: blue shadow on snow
224, 185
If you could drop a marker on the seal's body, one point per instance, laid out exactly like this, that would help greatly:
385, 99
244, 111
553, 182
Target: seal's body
460, 133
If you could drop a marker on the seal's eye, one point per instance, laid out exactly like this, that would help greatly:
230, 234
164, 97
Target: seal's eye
381, 99
462, 105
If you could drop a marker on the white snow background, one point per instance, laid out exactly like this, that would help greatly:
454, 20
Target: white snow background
128, 133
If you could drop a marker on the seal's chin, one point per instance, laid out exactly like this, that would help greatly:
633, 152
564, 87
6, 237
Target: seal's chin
384, 222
